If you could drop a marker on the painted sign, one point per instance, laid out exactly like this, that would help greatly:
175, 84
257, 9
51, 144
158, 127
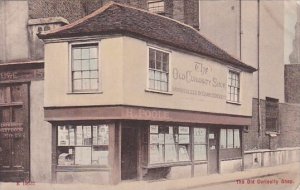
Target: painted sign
26, 74
11, 130
201, 80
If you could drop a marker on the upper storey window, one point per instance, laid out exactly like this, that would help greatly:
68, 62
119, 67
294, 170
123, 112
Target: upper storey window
158, 70
233, 87
156, 7
85, 71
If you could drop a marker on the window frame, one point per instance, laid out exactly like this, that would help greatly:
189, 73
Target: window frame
229, 80
105, 147
169, 81
161, 12
70, 72
233, 138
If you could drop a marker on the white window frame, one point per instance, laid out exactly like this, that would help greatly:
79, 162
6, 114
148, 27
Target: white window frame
228, 98
158, 11
70, 79
169, 92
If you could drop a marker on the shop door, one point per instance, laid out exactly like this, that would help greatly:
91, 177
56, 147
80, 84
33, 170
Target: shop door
14, 133
129, 153
213, 150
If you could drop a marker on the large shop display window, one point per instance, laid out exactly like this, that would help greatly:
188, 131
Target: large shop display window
168, 144
79, 145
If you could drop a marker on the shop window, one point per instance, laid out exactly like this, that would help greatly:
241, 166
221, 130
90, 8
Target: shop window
200, 144
169, 144
85, 71
158, 70
156, 7
230, 138
233, 94
82, 145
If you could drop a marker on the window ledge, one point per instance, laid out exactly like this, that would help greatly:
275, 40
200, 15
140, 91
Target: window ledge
85, 92
235, 103
158, 92
163, 165
81, 168
272, 133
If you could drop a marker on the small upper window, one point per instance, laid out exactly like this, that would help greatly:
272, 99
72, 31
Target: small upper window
156, 7
158, 70
85, 70
233, 87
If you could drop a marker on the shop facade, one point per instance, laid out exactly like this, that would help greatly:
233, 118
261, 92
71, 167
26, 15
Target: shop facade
141, 105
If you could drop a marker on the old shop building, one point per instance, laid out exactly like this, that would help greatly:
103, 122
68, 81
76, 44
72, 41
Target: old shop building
135, 95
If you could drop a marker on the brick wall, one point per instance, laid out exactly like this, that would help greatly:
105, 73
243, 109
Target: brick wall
292, 83
254, 139
289, 125
289, 128
183, 10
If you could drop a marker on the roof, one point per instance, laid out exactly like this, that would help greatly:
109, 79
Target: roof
115, 18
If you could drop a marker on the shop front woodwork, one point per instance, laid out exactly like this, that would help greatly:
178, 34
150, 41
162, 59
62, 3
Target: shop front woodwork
14, 132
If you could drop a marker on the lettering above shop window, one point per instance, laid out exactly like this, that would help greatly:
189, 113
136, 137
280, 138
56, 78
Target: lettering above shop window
200, 80
28, 74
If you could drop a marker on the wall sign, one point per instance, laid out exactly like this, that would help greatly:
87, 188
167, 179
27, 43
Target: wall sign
26, 74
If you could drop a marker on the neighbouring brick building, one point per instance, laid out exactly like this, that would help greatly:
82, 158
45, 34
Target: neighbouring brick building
236, 27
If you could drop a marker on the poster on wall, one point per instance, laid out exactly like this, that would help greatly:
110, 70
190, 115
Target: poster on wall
103, 135
79, 133
63, 136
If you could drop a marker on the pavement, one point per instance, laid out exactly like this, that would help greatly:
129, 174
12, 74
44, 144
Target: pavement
179, 184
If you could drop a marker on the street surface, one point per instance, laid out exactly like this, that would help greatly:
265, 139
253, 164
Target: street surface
283, 181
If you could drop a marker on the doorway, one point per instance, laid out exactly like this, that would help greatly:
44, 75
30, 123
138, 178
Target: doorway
213, 151
129, 158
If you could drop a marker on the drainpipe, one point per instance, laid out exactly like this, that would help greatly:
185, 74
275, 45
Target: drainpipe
240, 25
258, 68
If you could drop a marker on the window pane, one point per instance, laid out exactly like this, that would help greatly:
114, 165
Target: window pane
156, 154
200, 152
199, 135
77, 75
164, 77
85, 65
183, 153
79, 135
94, 84
71, 135
157, 75
164, 86
85, 84
157, 85
103, 135
237, 143
66, 156
85, 53
76, 65
76, 53
63, 136
85, 74
152, 59
83, 155
87, 135
99, 157
229, 138
94, 74
151, 84
223, 138
170, 153
77, 85
93, 64
151, 74
93, 52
